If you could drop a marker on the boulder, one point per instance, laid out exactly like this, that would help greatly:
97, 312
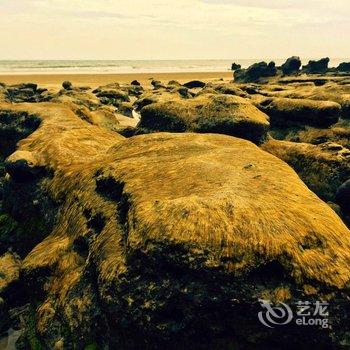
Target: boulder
193, 84
343, 67
323, 168
255, 72
113, 95
133, 90
27, 92
284, 112
157, 84
207, 113
135, 83
291, 66
339, 134
180, 90
156, 95
230, 89
317, 67
67, 85
235, 66
75, 98
169, 241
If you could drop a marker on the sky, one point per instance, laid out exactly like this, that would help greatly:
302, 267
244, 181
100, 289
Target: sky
176, 29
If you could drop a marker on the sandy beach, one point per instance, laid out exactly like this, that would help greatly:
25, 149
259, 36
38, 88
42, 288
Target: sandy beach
94, 80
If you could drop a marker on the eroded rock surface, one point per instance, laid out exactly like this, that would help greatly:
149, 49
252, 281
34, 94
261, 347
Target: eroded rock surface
286, 112
255, 72
207, 113
169, 240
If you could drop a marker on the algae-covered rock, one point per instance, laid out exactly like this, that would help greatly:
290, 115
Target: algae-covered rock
322, 167
169, 240
193, 84
286, 112
161, 238
27, 92
14, 127
207, 113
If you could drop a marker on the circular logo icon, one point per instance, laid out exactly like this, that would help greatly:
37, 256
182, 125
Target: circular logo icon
273, 316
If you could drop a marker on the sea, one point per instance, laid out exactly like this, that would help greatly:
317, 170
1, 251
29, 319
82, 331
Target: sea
132, 66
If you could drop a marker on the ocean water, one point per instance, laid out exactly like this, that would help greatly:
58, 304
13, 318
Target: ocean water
119, 66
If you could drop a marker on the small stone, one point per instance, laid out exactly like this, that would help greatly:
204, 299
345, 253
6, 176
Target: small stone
67, 85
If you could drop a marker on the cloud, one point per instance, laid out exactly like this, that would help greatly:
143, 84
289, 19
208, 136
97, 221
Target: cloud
269, 4
172, 29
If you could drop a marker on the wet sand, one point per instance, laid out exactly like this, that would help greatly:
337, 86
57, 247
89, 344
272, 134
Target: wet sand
94, 80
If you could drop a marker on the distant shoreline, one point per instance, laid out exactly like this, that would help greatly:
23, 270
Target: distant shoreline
53, 67
97, 79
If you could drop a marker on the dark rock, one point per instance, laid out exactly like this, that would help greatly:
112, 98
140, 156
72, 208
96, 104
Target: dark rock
30, 86
22, 166
285, 112
319, 82
291, 66
235, 66
113, 95
343, 67
183, 91
41, 90
27, 92
194, 84
67, 85
317, 67
345, 106
136, 83
343, 196
255, 72
133, 90
15, 126
157, 84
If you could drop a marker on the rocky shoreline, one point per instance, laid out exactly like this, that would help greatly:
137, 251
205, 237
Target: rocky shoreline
292, 67
159, 217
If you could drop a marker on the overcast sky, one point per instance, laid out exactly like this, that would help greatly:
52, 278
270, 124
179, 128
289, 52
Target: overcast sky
164, 29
